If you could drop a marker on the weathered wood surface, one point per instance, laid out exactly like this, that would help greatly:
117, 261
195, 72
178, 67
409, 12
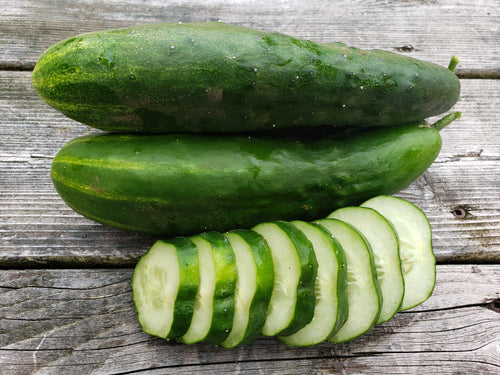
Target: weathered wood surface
432, 30
65, 298
84, 321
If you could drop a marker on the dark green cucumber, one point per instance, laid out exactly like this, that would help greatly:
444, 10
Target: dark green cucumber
173, 185
253, 288
215, 77
165, 283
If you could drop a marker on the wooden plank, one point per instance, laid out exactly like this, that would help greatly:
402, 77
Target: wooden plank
36, 227
429, 30
83, 320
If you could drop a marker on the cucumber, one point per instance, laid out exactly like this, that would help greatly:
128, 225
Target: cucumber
253, 287
363, 291
292, 302
415, 239
164, 284
331, 309
384, 243
133, 182
214, 304
215, 77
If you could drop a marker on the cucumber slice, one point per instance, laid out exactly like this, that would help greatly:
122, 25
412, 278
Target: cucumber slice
363, 293
331, 309
384, 243
214, 304
253, 287
292, 300
415, 246
164, 287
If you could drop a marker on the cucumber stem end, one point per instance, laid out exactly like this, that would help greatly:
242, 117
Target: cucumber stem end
453, 63
446, 120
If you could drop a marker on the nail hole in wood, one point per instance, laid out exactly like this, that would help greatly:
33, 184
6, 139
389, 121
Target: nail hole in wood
459, 212
495, 305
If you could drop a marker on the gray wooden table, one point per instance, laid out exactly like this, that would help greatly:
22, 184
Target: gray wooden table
65, 297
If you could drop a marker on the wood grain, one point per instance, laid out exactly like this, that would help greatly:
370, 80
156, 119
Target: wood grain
65, 296
52, 320
430, 30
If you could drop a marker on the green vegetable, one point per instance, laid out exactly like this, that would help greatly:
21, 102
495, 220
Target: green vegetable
214, 305
173, 185
363, 291
165, 283
415, 238
384, 243
331, 309
295, 267
253, 288
215, 77
306, 282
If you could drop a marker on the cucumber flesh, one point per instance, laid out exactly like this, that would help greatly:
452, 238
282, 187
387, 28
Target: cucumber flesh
164, 285
292, 300
415, 241
253, 287
331, 309
363, 293
384, 243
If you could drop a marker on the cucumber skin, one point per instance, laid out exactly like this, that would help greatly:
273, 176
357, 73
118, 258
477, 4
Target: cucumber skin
174, 185
215, 77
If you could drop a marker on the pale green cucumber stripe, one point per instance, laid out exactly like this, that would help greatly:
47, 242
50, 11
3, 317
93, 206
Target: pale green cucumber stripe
128, 165
116, 165
86, 189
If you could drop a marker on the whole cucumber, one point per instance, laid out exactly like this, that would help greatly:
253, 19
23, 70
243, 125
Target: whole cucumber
216, 77
173, 184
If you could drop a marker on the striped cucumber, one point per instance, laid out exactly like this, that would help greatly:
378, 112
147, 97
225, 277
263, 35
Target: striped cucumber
173, 185
215, 77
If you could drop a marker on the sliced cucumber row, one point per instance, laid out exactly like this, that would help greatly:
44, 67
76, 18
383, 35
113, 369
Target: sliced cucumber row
306, 283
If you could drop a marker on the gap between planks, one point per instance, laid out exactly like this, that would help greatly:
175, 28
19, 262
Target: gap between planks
493, 73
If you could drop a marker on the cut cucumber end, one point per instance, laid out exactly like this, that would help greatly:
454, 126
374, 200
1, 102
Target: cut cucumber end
384, 243
415, 240
155, 284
